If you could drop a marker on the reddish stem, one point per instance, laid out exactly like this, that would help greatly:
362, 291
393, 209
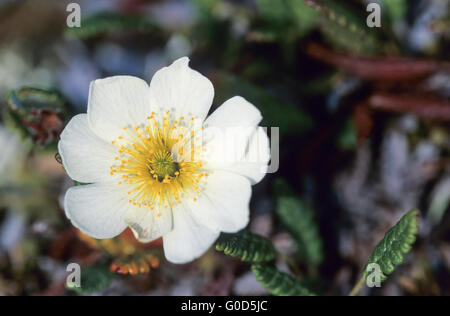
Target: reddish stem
429, 108
377, 68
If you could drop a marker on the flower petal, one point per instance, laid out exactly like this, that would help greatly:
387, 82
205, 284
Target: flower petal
182, 89
233, 141
97, 209
189, 239
116, 102
228, 130
254, 162
224, 204
147, 225
85, 156
235, 112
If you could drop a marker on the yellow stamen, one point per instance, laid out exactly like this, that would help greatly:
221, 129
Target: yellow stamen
158, 163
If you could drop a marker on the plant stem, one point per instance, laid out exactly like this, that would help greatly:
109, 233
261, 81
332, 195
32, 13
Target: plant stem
358, 287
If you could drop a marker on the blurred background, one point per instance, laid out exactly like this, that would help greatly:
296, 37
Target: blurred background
364, 136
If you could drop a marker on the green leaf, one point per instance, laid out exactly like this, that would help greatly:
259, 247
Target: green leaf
25, 100
13, 123
347, 138
279, 283
94, 279
208, 27
37, 113
248, 246
108, 22
346, 28
397, 242
396, 9
206, 5
285, 18
289, 118
298, 219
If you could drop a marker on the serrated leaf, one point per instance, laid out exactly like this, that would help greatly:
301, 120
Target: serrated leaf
279, 283
37, 113
298, 219
27, 99
107, 22
248, 246
397, 242
345, 28
93, 279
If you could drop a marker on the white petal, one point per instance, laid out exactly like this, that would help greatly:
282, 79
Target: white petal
228, 131
254, 163
116, 102
189, 239
86, 157
235, 112
147, 225
224, 204
97, 209
182, 89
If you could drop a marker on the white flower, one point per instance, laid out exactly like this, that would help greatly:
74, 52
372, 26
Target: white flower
138, 148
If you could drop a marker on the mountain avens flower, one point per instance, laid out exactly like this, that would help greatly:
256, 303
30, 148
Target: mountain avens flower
156, 163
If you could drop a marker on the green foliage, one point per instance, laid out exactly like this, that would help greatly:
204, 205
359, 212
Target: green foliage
250, 247
397, 242
36, 113
93, 279
279, 283
285, 19
13, 123
108, 22
206, 5
346, 29
396, 9
290, 119
298, 219
25, 100
347, 138
30, 250
211, 24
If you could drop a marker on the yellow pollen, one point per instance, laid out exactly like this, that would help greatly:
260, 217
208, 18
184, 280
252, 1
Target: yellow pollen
158, 163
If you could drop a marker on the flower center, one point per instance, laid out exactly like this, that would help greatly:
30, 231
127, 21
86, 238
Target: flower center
160, 161
163, 165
